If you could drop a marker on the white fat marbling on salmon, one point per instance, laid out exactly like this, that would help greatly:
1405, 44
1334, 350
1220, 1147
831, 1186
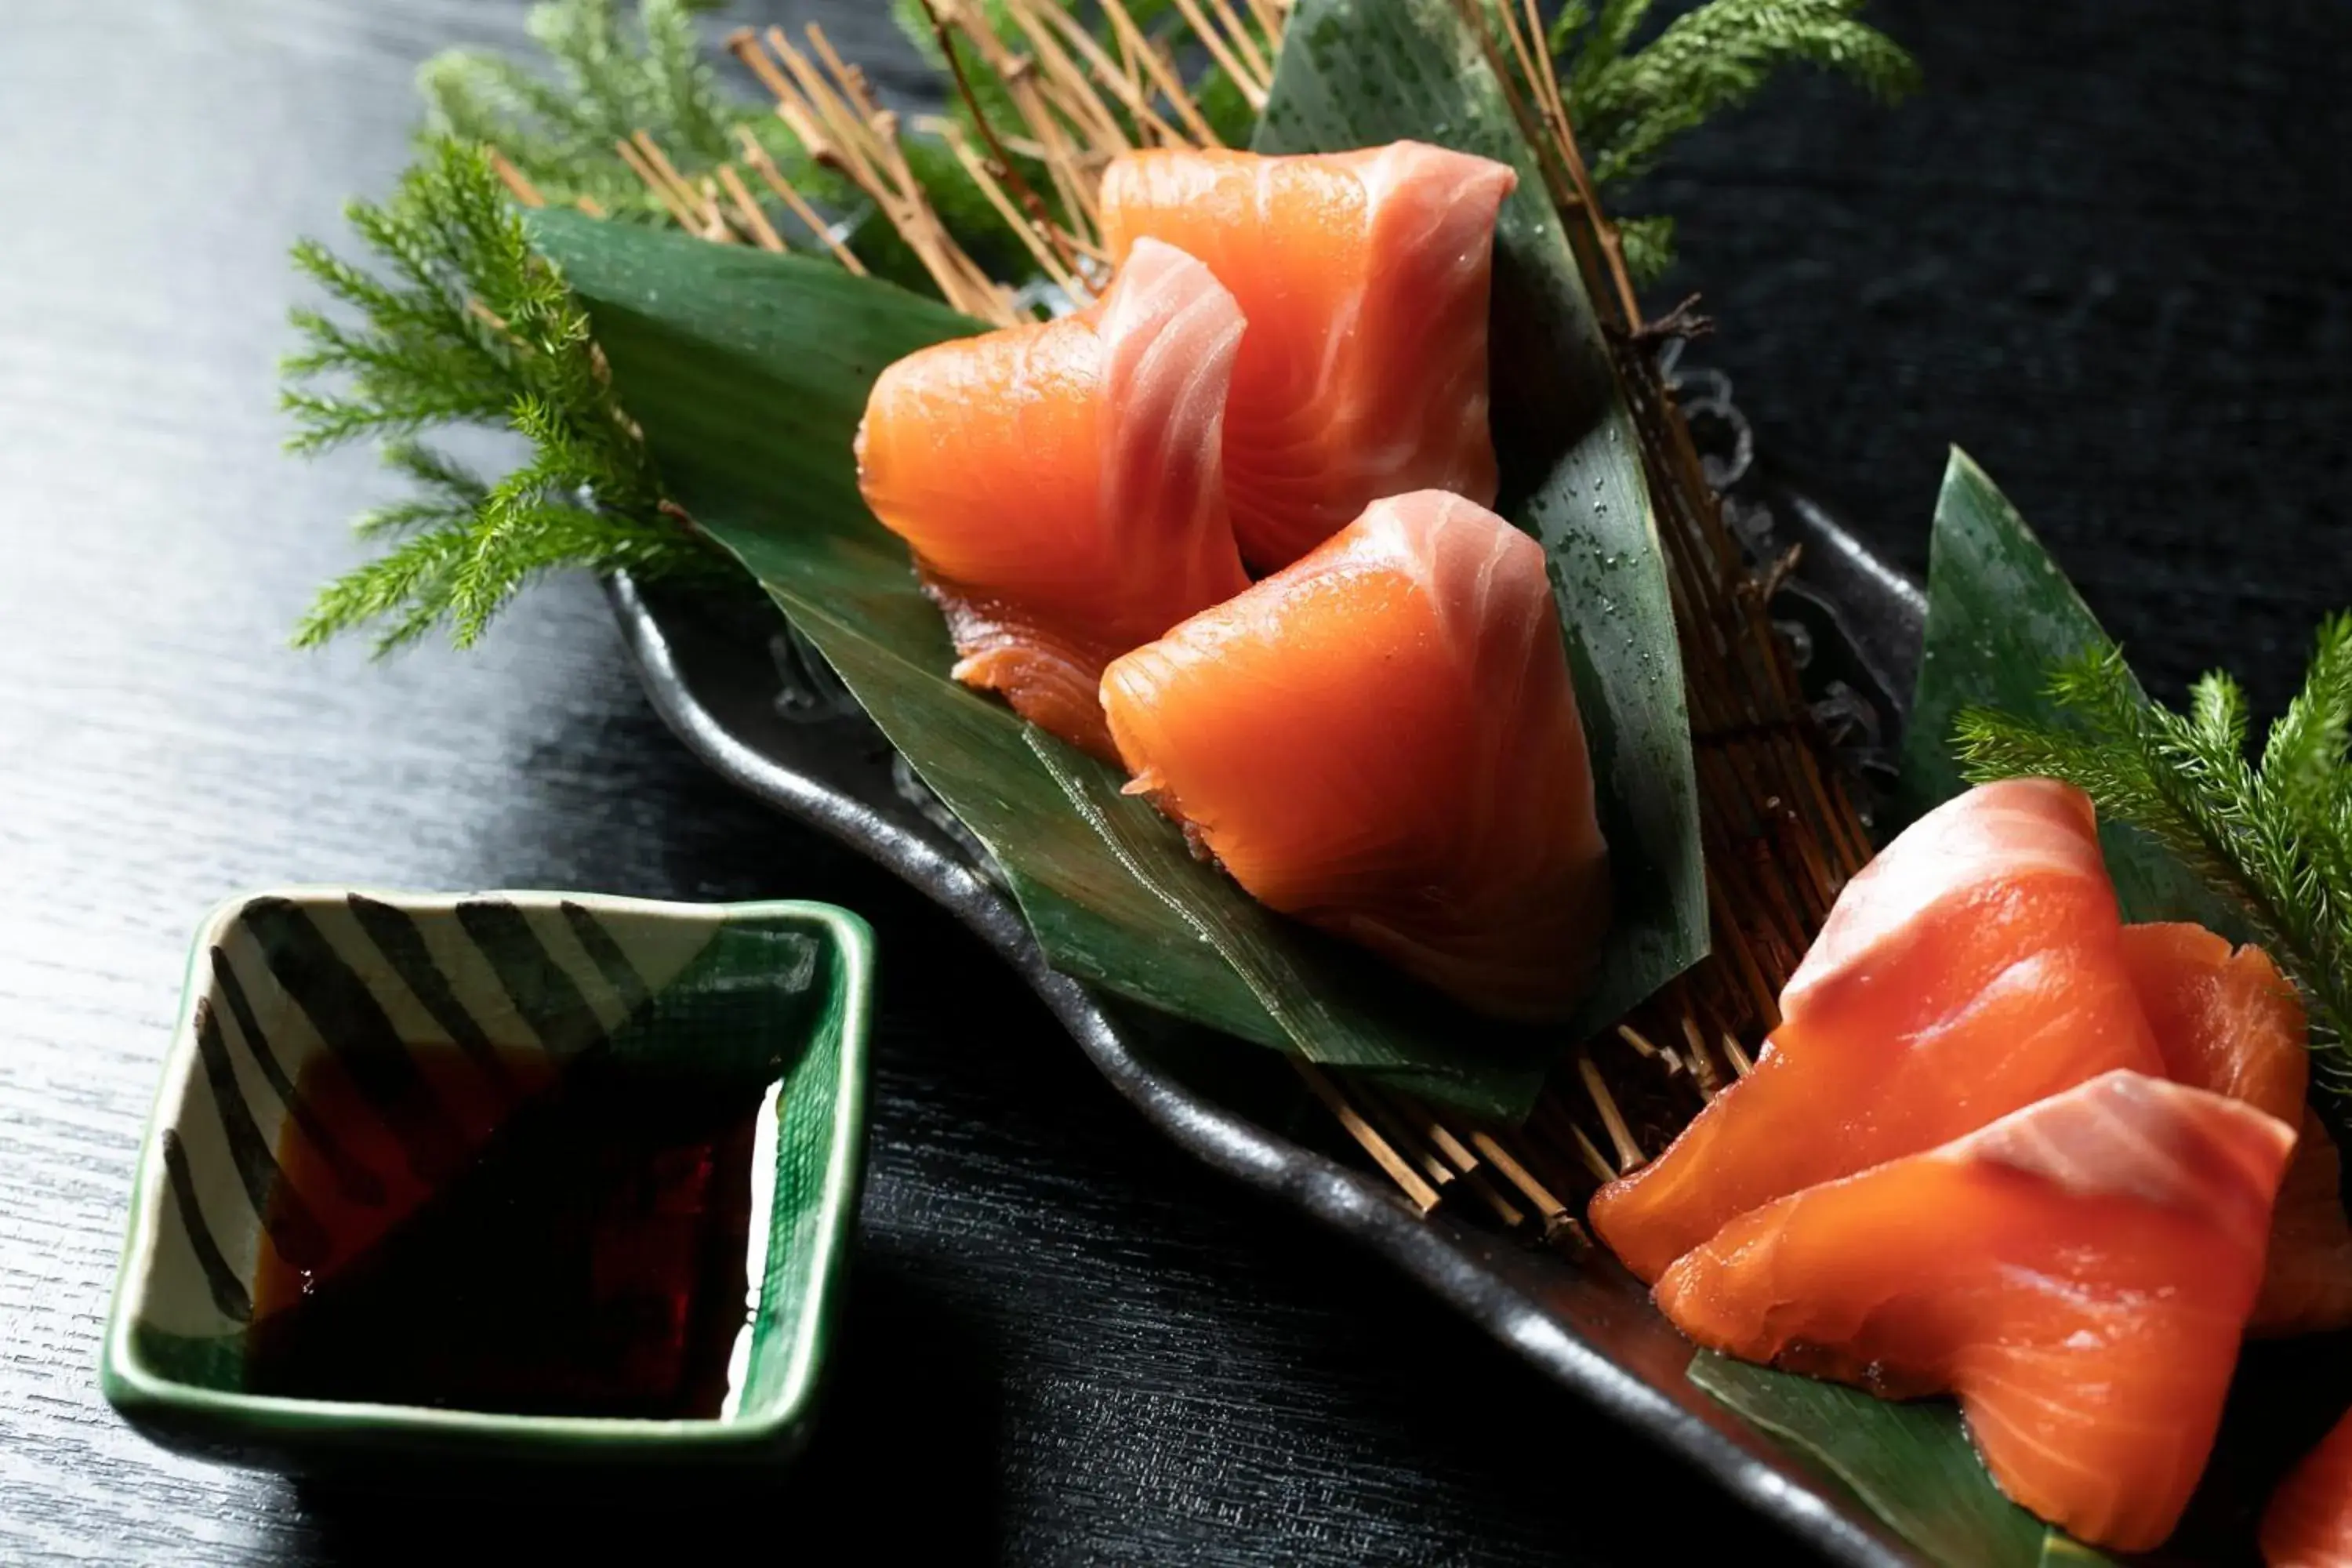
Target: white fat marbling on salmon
1061, 483
1994, 838
2128, 1135
1169, 332
1382, 739
1366, 277
2079, 1273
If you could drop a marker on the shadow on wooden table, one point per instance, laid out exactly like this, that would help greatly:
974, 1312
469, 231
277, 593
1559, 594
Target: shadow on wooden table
903, 1462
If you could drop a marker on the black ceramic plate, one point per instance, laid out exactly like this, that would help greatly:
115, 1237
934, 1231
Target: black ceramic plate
736, 689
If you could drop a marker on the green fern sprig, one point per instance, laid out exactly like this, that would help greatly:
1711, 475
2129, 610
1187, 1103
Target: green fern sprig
466, 325
1629, 105
607, 82
2273, 835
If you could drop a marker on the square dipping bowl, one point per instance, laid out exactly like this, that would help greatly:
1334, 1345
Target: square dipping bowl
341, 1057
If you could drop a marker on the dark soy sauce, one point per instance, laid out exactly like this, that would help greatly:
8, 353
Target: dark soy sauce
585, 1258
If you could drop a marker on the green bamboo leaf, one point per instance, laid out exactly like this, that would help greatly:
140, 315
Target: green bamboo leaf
1910, 1461
1315, 988
1356, 73
748, 374
2000, 617
2059, 1550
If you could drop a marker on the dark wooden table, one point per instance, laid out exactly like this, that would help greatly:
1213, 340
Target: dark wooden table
2102, 253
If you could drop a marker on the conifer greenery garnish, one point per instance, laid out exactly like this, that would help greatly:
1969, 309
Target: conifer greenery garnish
457, 324
470, 327
2274, 835
1629, 105
564, 132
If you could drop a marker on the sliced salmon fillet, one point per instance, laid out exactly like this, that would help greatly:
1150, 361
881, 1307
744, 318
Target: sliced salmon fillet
1974, 967
2227, 1020
2309, 1521
2225, 1017
1365, 278
1060, 484
2307, 1281
1382, 740
2078, 1272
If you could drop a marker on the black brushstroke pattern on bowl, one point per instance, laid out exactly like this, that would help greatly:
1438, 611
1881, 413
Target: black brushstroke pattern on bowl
752, 701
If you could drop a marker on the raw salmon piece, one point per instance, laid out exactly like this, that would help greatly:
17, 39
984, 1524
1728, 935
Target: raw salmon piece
1974, 967
1060, 484
2309, 1521
1364, 276
2227, 1020
1382, 740
2307, 1281
2078, 1272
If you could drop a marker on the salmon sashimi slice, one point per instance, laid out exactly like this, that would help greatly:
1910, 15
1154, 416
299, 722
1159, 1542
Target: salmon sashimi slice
1365, 277
1974, 967
2225, 1017
1060, 484
1382, 740
2078, 1272
2307, 1281
2309, 1521
2227, 1020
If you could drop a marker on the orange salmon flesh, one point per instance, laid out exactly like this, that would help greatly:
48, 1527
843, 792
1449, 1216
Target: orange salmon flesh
2079, 1273
1382, 740
1973, 968
2309, 1521
1060, 484
1364, 277
2227, 1020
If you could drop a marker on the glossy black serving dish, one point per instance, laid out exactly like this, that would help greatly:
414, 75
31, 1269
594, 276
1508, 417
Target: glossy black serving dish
745, 697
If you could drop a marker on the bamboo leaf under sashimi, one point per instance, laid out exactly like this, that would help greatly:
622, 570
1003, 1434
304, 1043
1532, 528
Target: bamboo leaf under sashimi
2000, 617
1910, 1462
748, 372
1319, 992
1356, 73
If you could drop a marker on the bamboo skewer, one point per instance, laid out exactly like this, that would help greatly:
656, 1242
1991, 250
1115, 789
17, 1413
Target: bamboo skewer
1400, 1170
1736, 1055
1702, 1065
1121, 83
701, 196
653, 181
1548, 1207
1429, 1126
747, 211
1260, 61
1630, 1153
1599, 1165
1039, 251
1064, 84
1163, 76
512, 178
765, 167
1408, 1139
1018, 79
1247, 78
1070, 183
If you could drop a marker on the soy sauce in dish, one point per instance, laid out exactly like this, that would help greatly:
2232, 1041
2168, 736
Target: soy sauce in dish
576, 1248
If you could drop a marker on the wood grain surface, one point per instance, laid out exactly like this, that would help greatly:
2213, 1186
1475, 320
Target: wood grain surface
2101, 252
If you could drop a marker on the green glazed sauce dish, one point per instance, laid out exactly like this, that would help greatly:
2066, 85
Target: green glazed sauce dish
552, 1179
